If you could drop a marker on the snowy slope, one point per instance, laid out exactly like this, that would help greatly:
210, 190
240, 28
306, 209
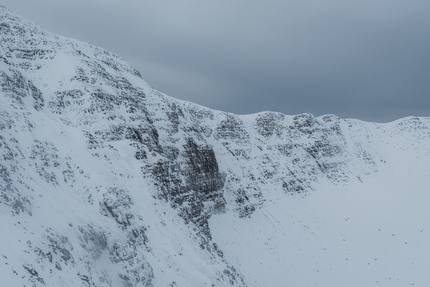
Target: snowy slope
369, 232
105, 181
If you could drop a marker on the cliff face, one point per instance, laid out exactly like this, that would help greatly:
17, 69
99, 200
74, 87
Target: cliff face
105, 181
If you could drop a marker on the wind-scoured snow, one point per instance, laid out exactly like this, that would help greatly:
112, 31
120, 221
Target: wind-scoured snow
105, 181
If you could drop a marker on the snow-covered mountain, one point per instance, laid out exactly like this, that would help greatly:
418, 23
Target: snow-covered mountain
105, 181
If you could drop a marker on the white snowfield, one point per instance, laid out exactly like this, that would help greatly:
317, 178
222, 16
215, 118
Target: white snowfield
105, 181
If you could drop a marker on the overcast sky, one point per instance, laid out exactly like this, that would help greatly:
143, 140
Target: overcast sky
367, 59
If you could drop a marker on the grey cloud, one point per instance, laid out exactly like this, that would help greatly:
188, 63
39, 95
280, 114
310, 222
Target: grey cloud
363, 59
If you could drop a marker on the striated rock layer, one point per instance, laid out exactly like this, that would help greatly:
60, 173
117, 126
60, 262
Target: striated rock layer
105, 181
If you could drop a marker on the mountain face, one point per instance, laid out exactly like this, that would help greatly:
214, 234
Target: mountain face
105, 181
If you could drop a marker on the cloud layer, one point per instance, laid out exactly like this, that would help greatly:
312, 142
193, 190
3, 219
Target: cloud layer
361, 59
